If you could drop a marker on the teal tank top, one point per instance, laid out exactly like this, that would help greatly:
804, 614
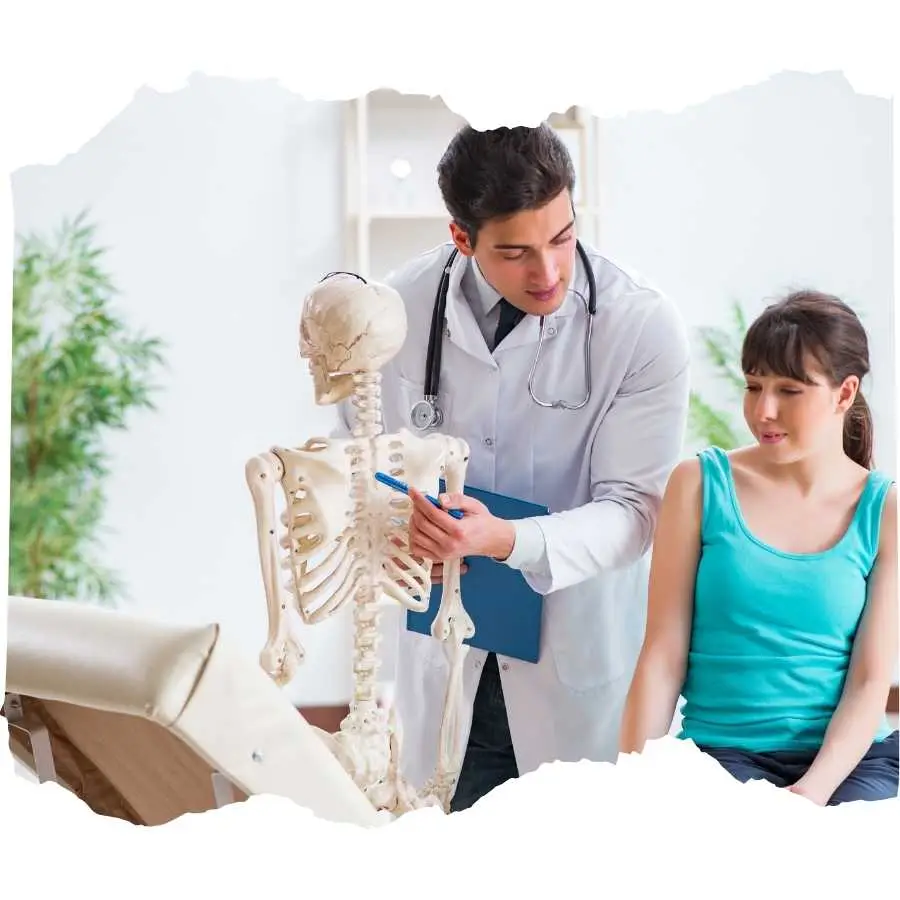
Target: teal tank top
772, 632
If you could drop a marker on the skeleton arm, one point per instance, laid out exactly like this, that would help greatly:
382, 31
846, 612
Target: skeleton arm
452, 626
282, 654
452, 620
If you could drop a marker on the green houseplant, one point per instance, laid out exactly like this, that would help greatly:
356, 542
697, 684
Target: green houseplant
722, 351
77, 371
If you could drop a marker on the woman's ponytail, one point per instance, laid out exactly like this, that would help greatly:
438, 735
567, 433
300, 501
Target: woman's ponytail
859, 433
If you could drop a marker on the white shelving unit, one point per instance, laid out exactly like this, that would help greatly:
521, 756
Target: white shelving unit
393, 208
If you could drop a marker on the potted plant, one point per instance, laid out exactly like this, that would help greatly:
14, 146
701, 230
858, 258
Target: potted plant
722, 350
77, 372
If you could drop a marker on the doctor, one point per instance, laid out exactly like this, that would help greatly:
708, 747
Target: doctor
592, 432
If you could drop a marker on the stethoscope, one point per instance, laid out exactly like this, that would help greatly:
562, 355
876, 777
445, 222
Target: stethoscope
426, 413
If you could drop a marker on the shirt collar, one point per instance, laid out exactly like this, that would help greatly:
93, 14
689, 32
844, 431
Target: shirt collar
480, 295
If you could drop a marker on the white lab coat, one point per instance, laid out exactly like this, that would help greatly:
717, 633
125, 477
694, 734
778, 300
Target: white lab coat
601, 471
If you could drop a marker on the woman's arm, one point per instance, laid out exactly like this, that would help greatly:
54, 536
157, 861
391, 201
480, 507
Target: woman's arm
659, 676
863, 701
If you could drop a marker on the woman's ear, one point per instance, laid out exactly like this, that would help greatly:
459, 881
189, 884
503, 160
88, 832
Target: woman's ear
847, 392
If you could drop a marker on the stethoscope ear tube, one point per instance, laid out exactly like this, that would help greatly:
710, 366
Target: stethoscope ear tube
435, 338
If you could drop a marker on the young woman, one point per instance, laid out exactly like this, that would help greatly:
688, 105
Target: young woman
773, 587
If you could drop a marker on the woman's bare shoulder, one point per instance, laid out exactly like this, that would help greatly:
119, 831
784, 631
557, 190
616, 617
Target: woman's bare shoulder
685, 480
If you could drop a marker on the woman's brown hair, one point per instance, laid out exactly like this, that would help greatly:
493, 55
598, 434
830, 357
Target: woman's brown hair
811, 323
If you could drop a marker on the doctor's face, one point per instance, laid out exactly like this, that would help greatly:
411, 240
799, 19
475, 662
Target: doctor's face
527, 258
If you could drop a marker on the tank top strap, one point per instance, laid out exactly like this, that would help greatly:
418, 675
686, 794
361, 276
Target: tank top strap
869, 512
719, 513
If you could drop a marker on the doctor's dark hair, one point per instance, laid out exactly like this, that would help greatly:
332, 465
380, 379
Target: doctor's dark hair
813, 324
486, 175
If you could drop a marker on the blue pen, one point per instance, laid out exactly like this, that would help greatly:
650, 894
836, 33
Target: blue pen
404, 489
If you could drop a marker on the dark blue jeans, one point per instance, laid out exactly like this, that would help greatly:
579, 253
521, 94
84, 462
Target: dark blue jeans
489, 760
874, 778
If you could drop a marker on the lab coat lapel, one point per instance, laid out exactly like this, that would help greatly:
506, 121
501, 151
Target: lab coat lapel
460, 327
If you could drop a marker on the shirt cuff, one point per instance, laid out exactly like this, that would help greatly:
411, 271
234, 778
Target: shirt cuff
529, 546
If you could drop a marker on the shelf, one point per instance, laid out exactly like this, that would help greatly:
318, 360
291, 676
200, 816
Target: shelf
390, 99
386, 127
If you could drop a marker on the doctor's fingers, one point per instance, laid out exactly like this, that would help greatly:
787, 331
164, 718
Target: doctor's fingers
442, 534
427, 539
428, 550
437, 571
424, 508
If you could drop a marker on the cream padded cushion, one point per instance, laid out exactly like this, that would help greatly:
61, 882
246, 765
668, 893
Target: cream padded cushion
187, 680
103, 659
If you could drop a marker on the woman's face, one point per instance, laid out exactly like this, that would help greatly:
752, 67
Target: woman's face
793, 419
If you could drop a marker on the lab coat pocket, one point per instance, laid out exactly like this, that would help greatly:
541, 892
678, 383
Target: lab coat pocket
583, 639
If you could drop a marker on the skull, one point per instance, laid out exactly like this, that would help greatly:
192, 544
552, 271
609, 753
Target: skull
349, 326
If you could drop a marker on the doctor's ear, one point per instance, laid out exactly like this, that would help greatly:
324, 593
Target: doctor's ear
461, 239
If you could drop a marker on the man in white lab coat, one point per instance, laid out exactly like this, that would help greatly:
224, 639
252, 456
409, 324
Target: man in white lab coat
600, 467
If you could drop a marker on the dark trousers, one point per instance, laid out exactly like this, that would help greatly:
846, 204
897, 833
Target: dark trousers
874, 778
489, 760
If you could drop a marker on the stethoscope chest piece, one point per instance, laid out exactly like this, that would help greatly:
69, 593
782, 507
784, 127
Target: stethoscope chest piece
426, 414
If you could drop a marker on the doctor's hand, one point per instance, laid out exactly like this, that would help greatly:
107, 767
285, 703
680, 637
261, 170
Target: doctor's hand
435, 534
437, 572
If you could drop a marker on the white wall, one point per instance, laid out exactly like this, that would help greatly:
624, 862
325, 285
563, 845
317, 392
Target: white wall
222, 204
782, 185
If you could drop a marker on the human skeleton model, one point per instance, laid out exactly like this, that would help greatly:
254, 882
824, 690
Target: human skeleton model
349, 330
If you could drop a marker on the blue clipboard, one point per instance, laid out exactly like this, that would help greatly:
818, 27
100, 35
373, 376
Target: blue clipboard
506, 612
